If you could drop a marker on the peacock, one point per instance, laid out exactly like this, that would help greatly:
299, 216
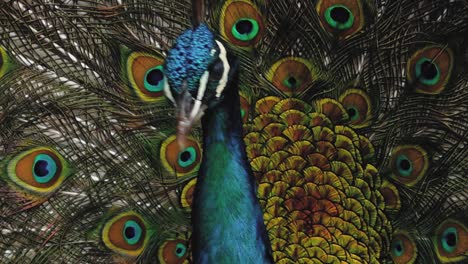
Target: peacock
233, 131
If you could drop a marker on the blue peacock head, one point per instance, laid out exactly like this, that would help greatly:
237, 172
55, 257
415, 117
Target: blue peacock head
197, 70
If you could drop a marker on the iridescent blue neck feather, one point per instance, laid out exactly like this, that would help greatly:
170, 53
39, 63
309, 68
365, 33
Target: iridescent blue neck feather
227, 217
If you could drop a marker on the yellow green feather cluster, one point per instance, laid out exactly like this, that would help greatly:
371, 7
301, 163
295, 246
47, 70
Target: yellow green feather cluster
319, 192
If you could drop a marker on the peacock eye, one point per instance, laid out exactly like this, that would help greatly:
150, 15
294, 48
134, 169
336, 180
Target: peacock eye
339, 17
187, 157
397, 248
173, 251
241, 23
403, 248
216, 70
292, 82
183, 162
409, 164
186, 197
5, 62
132, 232
449, 239
430, 68
358, 106
404, 165
44, 168
125, 233
40, 170
154, 79
353, 113
245, 29
145, 73
180, 250
291, 74
427, 72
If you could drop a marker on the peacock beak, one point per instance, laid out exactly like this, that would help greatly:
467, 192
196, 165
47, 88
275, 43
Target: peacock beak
189, 111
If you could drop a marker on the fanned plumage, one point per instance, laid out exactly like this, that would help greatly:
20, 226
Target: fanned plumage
355, 121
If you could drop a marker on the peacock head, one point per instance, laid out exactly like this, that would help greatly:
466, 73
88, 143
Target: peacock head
198, 71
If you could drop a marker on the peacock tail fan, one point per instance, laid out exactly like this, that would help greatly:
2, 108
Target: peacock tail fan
355, 121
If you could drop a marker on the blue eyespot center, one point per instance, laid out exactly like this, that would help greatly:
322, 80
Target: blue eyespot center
187, 157
449, 239
132, 232
427, 72
398, 248
353, 113
44, 168
404, 166
180, 250
154, 79
292, 82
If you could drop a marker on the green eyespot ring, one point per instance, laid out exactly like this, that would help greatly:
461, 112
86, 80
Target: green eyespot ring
154, 79
449, 239
339, 17
132, 232
291, 82
405, 168
397, 248
245, 29
187, 157
180, 250
353, 113
427, 72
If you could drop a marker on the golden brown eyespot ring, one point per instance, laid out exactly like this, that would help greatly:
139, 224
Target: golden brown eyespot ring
241, 23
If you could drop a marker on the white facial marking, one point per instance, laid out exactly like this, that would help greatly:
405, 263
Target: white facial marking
167, 91
223, 81
201, 91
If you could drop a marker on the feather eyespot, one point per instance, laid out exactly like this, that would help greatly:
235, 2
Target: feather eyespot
241, 23
245, 108
341, 18
451, 241
430, 69
173, 251
185, 161
291, 75
358, 106
5, 62
186, 197
146, 76
126, 234
391, 196
409, 164
40, 170
403, 248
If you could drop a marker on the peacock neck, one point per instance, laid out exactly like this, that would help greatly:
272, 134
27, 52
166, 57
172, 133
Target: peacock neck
227, 217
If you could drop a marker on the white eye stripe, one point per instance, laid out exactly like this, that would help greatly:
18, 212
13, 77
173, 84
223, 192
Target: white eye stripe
224, 78
201, 92
167, 91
